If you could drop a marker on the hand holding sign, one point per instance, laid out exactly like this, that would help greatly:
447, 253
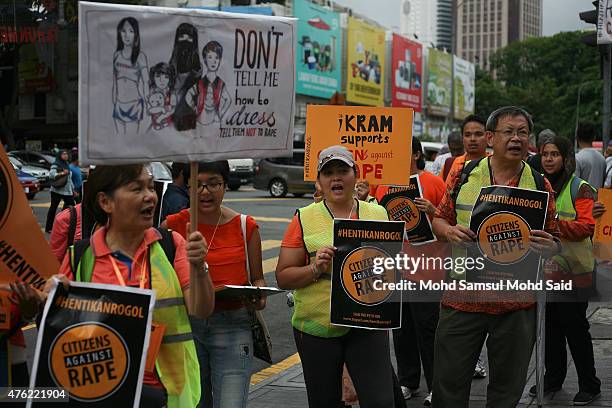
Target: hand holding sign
323, 259
460, 235
598, 209
27, 299
425, 205
543, 243
197, 249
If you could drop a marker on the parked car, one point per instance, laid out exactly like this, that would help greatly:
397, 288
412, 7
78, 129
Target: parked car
34, 158
28, 182
283, 175
41, 174
241, 172
161, 172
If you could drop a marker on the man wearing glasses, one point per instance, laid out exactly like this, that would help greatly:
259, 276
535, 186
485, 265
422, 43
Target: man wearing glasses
468, 318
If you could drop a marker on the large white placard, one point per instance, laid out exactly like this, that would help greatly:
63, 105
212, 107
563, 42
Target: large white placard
159, 84
604, 22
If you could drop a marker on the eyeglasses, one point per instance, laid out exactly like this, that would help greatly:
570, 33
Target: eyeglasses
211, 187
523, 134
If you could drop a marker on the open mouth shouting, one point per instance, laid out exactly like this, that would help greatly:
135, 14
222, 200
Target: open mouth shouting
337, 189
515, 149
148, 212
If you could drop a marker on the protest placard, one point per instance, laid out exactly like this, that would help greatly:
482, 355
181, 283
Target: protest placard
173, 84
92, 342
502, 219
379, 138
399, 203
24, 253
358, 296
602, 238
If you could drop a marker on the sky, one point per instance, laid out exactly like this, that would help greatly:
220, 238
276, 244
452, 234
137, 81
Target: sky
559, 15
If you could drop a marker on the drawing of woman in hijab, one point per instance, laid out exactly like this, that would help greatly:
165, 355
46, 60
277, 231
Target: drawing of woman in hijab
130, 78
186, 61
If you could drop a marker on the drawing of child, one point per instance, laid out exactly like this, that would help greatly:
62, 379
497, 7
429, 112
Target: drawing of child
162, 101
209, 96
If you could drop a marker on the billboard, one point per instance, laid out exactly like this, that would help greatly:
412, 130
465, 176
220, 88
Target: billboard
406, 73
365, 82
464, 90
319, 50
439, 83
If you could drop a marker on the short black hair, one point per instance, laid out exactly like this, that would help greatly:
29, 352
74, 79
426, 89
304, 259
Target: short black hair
418, 148
472, 118
220, 167
180, 168
212, 46
586, 132
504, 111
107, 179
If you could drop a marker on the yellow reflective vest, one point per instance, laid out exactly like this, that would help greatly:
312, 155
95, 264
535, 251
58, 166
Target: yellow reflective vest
576, 258
177, 362
480, 177
312, 303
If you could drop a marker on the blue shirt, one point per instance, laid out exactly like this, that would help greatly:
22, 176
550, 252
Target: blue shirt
77, 177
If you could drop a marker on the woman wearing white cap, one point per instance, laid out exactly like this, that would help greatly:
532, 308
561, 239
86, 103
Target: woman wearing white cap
305, 265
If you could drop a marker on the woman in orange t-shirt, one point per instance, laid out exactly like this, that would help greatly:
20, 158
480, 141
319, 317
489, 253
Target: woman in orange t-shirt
224, 341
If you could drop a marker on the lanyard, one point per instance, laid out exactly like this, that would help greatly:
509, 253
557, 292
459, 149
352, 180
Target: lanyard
142, 273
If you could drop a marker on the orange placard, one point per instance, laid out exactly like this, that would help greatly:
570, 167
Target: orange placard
5, 310
379, 138
24, 252
602, 239
155, 341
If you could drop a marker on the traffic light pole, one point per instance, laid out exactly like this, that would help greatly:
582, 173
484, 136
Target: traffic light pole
607, 83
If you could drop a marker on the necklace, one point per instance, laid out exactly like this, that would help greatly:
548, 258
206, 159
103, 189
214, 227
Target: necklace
215, 231
349, 214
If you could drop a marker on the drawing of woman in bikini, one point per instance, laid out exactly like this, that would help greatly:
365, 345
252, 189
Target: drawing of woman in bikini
130, 78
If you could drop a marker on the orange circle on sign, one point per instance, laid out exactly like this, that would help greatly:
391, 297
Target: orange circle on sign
404, 209
503, 238
358, 276
90, 360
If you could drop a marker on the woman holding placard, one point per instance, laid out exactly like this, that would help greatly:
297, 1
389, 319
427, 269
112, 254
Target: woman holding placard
566, 311
304, 265
128, 251
224, 340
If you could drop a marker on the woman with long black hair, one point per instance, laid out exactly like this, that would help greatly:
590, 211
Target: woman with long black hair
130, 78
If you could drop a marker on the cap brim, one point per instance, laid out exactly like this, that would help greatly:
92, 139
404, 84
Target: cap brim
342, 159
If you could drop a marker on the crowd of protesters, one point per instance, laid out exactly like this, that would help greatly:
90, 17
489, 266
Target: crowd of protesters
443, 336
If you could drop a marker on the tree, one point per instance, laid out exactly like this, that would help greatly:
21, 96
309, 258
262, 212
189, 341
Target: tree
544, 75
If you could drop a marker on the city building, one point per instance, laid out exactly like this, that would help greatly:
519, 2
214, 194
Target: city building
484, 26
429, 21
444, 19
418, 20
